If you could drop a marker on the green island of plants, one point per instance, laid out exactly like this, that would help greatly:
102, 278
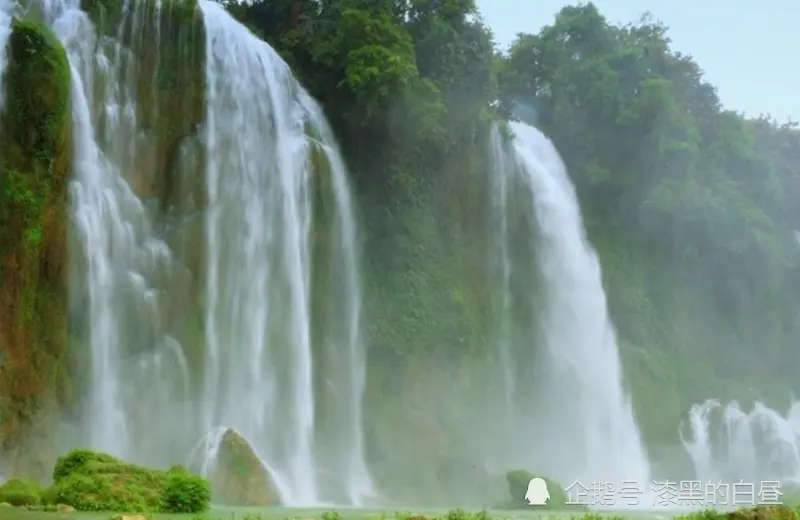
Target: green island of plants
89, 481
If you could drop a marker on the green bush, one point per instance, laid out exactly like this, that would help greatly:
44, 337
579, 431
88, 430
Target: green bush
104, 492
76, 460
185, 493
21, 492
91, 481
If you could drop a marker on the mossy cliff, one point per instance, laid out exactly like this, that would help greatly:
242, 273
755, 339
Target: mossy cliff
36, 155
162, 67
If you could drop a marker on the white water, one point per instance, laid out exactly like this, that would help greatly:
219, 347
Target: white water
726, 443
259, 374
501, 265
118, 251
7, 8
259, 359
578, 413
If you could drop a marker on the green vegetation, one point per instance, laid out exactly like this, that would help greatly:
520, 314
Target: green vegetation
34, 164
691, 206
20, 492
692, 209
89, 481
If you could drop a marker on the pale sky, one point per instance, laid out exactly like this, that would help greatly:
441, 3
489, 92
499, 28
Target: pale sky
748, 49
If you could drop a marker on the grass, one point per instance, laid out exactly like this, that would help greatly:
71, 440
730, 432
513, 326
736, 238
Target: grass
283, 513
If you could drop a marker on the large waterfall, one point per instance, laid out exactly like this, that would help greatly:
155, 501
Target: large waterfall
195, 254
258, 287
564, 391
729, 444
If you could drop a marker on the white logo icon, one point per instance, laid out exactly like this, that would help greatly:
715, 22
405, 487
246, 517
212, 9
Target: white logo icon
537, 494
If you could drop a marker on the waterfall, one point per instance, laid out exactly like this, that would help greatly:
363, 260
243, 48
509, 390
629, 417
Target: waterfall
118, 250
572, 417
259, 378
500, 263
728, 444
6, 12
195, 251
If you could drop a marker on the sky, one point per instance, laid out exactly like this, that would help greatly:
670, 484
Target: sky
747, 48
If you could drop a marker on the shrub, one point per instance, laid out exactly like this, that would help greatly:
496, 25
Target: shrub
76, 460
21, 492
103, 492
185, 493
91, 481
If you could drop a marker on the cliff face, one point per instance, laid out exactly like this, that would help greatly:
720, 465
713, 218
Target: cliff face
41, 377
36, 159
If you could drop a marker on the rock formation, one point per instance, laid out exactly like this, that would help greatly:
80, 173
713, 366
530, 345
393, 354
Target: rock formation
239, 477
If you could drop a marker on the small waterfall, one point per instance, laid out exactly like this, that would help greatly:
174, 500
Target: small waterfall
500, 262
726, 443
572, 418
260, 369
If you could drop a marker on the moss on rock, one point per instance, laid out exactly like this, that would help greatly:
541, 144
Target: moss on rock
21, 492
239, 478
35, 156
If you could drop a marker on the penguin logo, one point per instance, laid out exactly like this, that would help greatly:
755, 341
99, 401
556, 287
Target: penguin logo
537, 494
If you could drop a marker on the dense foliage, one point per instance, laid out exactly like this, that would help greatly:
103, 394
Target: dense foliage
690, 205
92, 481
20, 492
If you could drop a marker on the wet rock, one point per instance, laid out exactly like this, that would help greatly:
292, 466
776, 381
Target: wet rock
239, 478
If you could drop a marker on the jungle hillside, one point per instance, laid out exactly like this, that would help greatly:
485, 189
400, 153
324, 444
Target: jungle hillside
692, 209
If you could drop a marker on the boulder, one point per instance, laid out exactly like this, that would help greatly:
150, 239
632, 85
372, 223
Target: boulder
238, 477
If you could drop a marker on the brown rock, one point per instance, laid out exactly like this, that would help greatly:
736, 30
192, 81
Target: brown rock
239, 478
64, 508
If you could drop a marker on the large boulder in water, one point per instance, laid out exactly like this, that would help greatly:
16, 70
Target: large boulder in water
238, 477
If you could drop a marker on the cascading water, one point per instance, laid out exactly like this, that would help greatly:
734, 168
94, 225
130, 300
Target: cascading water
259, 374
257, 365
500, 262
576, 423
118, 250
731, 445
